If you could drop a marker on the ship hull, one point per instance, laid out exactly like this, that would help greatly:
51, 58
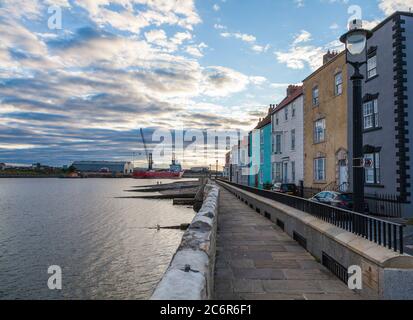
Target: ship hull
157, 175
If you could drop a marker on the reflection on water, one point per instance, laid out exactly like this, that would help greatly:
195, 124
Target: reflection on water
101, 243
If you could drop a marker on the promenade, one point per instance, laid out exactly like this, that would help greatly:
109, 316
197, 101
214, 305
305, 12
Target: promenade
257, 260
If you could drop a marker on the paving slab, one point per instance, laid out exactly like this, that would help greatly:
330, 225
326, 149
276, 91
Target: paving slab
258, 261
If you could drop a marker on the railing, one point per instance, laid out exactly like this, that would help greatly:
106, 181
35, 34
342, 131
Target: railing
386, 205
380, 231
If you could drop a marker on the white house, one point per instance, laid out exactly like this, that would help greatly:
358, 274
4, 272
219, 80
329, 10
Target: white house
288, 138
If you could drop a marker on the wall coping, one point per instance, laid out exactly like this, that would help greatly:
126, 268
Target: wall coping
191, 271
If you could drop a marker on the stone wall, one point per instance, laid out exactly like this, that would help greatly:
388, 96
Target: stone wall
190, 275
386, 274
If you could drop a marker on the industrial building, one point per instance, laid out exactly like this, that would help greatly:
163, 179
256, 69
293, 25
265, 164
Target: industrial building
104, 166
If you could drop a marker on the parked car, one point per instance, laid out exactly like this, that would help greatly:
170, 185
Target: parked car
337, 199
286, 188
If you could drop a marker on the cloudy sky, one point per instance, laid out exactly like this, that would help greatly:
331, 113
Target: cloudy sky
85, 90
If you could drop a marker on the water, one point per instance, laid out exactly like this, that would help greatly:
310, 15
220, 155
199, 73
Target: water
100, 242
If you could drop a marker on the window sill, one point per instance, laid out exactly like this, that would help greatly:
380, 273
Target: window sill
320, 182
372, 78
319, 142
379, 186
372, 129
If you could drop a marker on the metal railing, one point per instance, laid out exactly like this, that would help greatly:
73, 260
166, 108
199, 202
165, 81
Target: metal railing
380, 231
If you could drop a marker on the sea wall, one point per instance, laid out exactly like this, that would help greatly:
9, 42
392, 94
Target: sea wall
190, 276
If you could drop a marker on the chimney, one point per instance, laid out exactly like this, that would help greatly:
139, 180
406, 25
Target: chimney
291, 89
330, 55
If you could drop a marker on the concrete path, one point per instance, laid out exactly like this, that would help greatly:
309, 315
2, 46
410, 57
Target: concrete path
257, 260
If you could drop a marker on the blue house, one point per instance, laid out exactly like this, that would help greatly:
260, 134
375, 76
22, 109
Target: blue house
265, 149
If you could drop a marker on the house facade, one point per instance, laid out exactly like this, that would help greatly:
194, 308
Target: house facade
387, 109
265, 133
287, 158
325, 125
255, 161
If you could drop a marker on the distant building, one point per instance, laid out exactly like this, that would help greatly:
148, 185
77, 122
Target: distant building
325, 126
199, 170
104, 166
288, 138
227, 167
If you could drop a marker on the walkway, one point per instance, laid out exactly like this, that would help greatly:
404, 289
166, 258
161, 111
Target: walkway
257, 260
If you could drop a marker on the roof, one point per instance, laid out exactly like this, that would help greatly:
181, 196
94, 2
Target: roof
264, 122
325, 65
287, 100
397, 13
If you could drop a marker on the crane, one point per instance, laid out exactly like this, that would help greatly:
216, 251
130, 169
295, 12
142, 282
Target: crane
149, 157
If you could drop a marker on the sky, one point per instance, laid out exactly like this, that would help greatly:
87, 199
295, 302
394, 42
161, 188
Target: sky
79, 78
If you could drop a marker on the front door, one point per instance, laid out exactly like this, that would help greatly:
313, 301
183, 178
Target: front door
343, 181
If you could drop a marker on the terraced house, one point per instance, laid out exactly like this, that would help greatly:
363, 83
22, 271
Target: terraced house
264, 129
288, 138
325, 125
387, 109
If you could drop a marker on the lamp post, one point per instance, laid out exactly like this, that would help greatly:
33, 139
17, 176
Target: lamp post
355, 41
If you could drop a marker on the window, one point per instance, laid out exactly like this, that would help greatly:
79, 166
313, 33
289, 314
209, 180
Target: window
277, 121
277, 171
286, 113
372, 67
261, 176
262, 156
262, 136
372, 174
319, 130
293, 171
278, 138
370, 114
338, 84
293, 111
293, 139
320, 169
315, 96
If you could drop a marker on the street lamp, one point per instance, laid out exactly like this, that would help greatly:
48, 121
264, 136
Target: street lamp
355, 41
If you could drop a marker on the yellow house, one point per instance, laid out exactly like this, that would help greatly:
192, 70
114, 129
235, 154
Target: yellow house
325, 125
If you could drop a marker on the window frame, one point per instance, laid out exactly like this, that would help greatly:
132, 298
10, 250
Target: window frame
338, 85
315, 99
319, 136
369, 69
293, 140
375, 170
317, 171
373, 115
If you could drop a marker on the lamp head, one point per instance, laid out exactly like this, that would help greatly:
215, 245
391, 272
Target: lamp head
356, 39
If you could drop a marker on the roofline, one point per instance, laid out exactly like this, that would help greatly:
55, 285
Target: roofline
397, 13
277, 110
325, 65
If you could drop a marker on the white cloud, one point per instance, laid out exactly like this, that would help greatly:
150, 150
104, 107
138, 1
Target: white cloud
303, 36
216, 7
241, 36
390, 6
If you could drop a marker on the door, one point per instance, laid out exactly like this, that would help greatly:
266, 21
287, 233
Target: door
343, 178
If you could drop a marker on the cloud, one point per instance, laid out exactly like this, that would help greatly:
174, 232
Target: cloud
241, 36
301, 55
390, 6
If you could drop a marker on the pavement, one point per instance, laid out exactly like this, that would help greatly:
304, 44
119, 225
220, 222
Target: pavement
258, 261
